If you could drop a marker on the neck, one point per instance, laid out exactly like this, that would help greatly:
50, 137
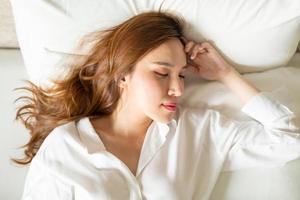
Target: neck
133, 124
125, 122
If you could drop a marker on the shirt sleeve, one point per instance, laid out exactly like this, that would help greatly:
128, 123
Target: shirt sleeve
271, 139
40, 184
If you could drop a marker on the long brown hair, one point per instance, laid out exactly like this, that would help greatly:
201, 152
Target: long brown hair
90, 88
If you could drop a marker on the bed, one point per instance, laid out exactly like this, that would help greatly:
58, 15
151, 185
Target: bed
261, 43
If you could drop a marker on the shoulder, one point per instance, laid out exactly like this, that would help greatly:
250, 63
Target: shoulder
59, 144
61, 134
56, 160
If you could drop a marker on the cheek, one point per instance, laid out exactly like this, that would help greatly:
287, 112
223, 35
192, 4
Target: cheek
149, 89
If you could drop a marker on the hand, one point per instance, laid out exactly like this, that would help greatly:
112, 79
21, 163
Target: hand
205, 61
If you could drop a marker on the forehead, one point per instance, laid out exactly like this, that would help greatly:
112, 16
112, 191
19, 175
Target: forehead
171, 51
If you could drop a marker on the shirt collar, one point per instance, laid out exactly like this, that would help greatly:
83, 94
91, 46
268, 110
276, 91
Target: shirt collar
93, 143
89, 137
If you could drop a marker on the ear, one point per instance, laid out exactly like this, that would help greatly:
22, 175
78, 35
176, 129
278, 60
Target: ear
123, 82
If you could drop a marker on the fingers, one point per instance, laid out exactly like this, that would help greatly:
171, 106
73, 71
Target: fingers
207, 45
192, 48
195, 51
189, 45
198, 48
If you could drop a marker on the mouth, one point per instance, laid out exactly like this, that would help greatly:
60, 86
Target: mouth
170, 107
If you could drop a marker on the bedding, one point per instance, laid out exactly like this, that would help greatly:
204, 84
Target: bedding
252, 35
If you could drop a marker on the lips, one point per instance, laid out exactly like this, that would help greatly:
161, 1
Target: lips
170, 106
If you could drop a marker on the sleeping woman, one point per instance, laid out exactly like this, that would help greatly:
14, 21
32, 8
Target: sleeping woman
112, 127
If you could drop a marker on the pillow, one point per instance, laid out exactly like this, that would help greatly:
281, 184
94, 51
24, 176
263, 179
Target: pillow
8, 38
252, 35
48, 30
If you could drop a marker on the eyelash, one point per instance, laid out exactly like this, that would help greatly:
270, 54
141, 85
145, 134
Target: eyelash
165, 75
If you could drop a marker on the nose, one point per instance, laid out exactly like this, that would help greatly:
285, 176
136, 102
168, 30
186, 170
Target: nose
176, 87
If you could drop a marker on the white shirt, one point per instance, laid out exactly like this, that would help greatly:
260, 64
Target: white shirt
180, 160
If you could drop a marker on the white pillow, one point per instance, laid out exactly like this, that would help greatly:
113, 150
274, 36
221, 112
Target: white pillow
252, 35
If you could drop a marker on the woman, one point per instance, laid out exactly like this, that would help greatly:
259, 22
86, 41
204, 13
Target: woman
113, 129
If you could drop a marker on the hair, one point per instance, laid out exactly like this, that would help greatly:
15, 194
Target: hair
90, 87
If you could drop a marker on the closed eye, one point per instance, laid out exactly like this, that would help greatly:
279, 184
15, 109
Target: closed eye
159, 74
165, 75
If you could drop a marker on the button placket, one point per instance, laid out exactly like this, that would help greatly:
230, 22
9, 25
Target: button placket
154, 140
132, 180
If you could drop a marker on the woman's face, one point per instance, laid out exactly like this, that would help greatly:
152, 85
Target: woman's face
157, 82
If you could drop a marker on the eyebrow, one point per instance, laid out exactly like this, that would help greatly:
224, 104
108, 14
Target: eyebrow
166, 64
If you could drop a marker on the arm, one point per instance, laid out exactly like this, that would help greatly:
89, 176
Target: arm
272, 139
239, 86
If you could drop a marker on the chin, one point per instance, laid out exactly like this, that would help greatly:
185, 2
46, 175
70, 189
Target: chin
162, 117
165, 119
